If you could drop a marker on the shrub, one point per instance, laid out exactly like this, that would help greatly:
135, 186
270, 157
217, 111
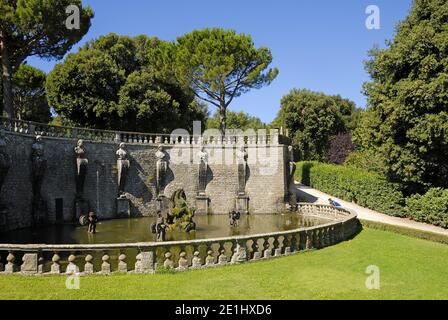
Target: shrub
432, 207
349, 183
339, 148
368, 160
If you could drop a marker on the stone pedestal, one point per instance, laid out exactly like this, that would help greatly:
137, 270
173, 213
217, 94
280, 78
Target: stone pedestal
242, 204
29, 265
147, 262
123, 207
202, 202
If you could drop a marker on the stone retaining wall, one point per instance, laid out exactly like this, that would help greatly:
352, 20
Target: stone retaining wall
266, 184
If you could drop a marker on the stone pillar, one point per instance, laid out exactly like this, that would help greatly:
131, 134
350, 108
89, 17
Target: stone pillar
29, 263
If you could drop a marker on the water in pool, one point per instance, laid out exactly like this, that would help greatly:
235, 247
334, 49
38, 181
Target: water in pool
138, 229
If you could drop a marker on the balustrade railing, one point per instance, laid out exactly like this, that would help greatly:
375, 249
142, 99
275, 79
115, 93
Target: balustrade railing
271, 137
177, 255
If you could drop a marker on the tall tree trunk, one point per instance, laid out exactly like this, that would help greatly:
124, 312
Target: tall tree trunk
6, 80
222, 117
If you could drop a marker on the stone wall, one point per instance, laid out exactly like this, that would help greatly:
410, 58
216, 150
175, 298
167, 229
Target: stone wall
266, 178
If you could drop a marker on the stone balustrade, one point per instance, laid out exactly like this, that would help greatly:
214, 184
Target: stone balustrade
271, 137
88, 259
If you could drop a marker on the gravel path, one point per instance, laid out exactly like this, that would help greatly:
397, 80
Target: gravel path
307, 194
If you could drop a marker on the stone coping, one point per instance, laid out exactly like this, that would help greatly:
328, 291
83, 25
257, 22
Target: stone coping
266, 137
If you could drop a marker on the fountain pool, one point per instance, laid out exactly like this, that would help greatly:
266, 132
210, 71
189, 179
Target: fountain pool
138, 229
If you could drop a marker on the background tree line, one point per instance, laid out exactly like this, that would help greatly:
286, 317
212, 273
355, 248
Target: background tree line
147, 84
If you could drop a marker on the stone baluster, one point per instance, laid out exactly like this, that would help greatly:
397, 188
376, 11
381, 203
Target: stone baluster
88, 266
286, 249
168, 263
328, 236
105, 266
55, 266
210, 259
323, 237
233, 251
196, 262
40, 264
331, 235
183, 262
222, 259
317, 238
308, 240
338, 232
255, 253
295, 245
221, 247
10, 265
277, 249
2, 267
240, 252
122, 265
72, 268
267, 253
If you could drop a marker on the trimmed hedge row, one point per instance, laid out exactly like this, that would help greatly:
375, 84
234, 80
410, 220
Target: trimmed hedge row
432, 207
349, 183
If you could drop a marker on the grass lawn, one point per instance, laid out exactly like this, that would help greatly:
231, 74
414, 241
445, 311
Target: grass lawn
410, 268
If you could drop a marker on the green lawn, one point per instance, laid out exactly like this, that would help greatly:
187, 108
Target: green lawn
410, 269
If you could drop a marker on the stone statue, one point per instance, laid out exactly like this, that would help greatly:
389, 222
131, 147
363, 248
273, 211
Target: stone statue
203, 168
161, 168
123, 168
292, 185
39, 165
242, 169
5, 160
181, 215
81, 168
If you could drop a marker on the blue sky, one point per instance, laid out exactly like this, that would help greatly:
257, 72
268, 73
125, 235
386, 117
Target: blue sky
319, 44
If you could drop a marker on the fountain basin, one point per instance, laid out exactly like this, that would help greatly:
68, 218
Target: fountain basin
144, 257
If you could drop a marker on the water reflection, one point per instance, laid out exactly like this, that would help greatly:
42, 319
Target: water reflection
138, 229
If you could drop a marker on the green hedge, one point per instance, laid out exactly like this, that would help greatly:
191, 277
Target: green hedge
349, 183
432, 207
